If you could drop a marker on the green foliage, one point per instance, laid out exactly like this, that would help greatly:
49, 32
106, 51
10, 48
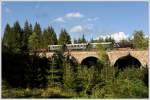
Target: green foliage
56, 69
13, 68
38, 31
57, 92
58, 77
12, 37
131, 73
81, 40
139, 41
26, 33
75, 41
33, 42
53, 36
36, 74
7, 36
83, 81
121, 89
22, 93
21, 70
108, 82
108, 73
68, 76
49, 37
107, 39
121, 84
16, 37
64, 37
146, 43
102, 53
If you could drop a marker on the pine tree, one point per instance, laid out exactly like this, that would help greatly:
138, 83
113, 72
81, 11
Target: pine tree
56, 69
30, 29
64, 37
91, 40
37, 30
7, 36
49, 37
83, 39
33, 42
75, 41
17, 37
68, 74
54, 36
45, 39
27, 32
79, 40
101, 40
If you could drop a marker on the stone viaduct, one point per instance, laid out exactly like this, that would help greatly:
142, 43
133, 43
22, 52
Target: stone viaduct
113, 56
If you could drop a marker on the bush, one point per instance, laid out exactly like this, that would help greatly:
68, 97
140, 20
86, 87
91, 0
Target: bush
121, 89
56, 92
122, 84
131, 73
21, 93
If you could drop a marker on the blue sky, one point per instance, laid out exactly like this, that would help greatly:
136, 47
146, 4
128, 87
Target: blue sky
89, 18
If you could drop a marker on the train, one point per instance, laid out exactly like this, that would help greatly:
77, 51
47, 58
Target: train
81, 46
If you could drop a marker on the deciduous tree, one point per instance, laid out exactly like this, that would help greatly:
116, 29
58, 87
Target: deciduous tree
138, 40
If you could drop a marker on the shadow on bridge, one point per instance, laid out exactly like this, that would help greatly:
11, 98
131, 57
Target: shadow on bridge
92, 61
127, 61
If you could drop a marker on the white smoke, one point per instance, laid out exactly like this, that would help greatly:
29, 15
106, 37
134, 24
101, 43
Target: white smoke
116, 36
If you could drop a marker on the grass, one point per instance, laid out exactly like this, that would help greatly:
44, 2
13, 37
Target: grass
49, 92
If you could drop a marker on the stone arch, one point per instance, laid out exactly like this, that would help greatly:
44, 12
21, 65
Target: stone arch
126, 61
91, 61
142, 56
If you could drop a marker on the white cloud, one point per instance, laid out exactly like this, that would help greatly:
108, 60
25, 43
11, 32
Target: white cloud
82, 28
74, 15
69, 15
92, 19
77, 29
59, 19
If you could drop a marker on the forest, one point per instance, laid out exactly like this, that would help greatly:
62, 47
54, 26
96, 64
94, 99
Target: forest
30, 76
